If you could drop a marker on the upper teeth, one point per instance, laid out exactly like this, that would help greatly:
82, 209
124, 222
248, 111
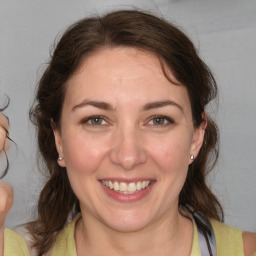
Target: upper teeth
126, 188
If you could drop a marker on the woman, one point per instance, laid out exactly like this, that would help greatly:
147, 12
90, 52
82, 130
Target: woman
122, 128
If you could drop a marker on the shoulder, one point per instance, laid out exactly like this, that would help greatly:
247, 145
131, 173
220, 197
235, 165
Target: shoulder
229, 240
232, 240
23, 231
225, 230
65, 242
14, 244
249, 240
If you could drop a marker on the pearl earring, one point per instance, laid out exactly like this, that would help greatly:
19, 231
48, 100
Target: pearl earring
192, 157
60, 158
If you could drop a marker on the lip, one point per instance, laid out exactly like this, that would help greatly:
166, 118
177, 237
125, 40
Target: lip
126, 198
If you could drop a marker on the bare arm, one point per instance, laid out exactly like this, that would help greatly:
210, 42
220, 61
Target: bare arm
249, 243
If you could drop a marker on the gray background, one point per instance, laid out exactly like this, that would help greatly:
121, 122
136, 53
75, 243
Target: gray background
224, 31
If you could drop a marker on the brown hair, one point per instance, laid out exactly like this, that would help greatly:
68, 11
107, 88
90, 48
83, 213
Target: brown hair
131, 29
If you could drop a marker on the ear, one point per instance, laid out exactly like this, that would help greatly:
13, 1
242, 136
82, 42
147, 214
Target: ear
58, 144
198, 137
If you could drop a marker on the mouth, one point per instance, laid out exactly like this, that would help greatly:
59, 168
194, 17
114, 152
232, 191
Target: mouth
128, 188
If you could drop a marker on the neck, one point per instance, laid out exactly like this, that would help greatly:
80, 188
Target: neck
169, 235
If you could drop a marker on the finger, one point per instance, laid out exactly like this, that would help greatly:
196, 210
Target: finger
4, 122
4, 127
3, 141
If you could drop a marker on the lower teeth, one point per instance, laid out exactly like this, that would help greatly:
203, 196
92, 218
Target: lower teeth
126, 192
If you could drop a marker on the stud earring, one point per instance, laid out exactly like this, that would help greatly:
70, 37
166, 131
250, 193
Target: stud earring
60, 158
192, 157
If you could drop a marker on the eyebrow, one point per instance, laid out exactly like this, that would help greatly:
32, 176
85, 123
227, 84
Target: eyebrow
98, 104
160, 104
106, 106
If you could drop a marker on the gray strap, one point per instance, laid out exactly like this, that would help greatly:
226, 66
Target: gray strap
205, 235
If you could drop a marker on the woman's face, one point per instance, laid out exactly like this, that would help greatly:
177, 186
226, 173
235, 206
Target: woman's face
126, 137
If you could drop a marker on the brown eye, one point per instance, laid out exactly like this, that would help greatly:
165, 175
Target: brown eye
160, 120
95, 120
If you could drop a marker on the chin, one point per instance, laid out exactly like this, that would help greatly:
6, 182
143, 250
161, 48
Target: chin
129, 222
126, 226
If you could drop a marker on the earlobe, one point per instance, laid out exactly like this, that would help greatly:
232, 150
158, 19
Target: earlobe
58, 144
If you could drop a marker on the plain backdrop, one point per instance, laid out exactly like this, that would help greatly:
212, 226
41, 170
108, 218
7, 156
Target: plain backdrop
224, 31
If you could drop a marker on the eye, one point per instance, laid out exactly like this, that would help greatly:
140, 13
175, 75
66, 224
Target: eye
95, 120
160, 121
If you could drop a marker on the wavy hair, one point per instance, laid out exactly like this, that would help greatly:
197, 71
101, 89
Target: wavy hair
128, 28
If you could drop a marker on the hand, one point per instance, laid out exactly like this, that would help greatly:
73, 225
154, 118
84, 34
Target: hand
6, 202
3, 132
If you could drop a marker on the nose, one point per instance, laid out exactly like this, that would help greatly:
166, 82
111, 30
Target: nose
127, 149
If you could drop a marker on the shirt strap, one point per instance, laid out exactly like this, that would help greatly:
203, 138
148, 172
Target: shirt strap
206, 237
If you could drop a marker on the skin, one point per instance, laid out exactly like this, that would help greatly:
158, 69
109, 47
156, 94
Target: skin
3, 128
128, 143
249, 243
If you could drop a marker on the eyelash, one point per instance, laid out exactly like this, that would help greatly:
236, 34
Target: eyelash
167, 120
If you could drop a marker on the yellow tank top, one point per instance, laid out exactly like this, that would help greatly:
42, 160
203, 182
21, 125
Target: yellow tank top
14, 244
228, 239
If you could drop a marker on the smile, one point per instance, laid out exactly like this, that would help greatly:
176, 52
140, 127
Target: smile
126, 188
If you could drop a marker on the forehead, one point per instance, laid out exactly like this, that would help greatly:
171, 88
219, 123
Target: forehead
123, 73
119, 62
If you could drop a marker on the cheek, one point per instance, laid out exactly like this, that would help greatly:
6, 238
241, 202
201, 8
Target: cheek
171, 153
171, 158
83, 154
